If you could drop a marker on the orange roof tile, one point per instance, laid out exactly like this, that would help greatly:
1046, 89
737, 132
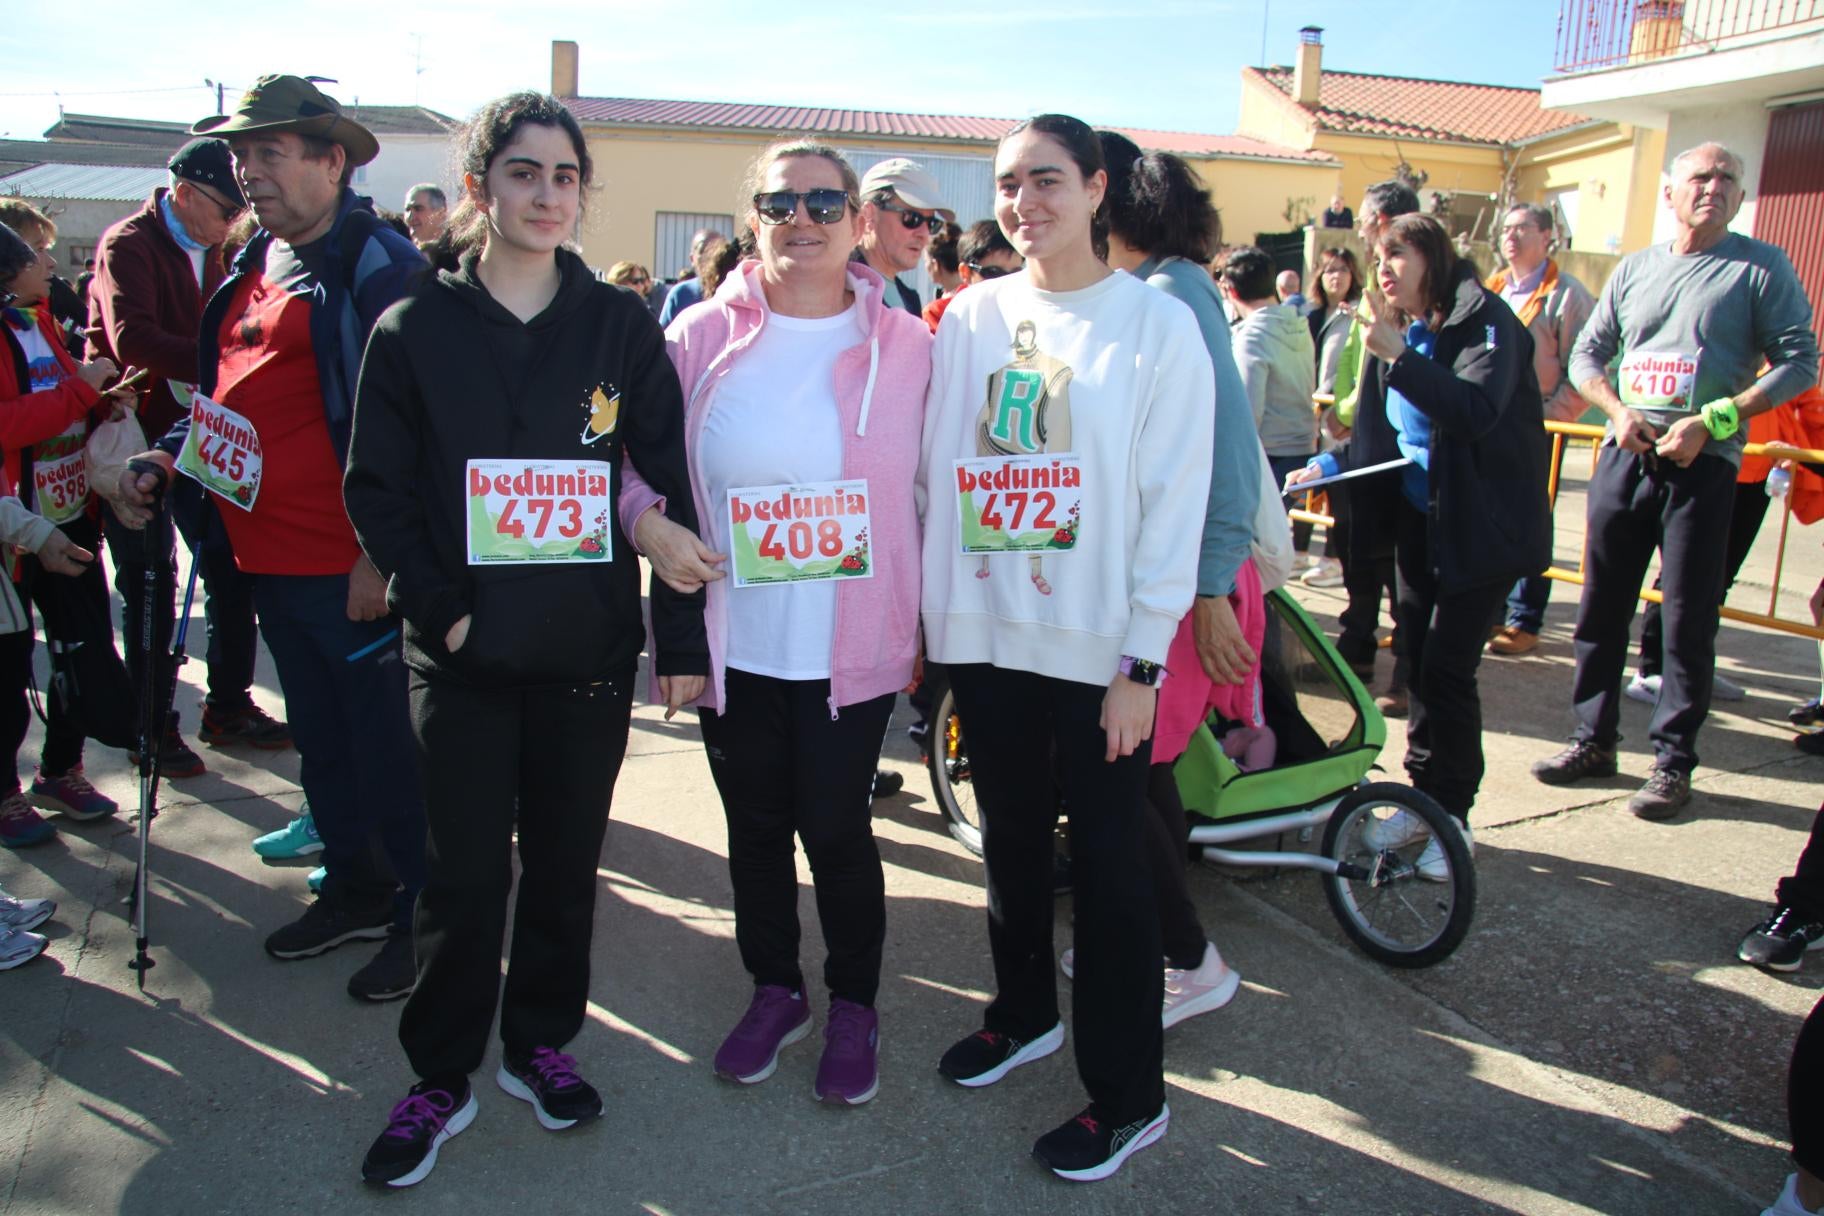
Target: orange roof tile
963, 129
1362, 104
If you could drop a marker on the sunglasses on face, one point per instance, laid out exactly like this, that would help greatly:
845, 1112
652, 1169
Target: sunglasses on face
987, 272
824, 206
912, 219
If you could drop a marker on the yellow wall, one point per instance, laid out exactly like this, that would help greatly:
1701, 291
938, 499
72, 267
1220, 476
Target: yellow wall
641, 174
1267, 115
1370, 159
1615, 170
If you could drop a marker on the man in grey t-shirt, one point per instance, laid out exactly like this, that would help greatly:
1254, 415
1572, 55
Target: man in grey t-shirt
1688, 324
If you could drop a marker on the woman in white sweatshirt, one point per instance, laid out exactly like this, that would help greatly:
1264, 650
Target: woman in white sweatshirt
1066, 464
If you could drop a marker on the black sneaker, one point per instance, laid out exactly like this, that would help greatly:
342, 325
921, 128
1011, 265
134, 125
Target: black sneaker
390, 974
549, 1081
1666, 791
1089, 1148
887, 783
986, 1056
251, 726
1811, 742
1583, 758
176, 760
406, 1151
325, 925
1809, 713
1779, 943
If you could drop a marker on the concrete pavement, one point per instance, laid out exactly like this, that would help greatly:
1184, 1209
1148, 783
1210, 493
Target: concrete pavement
1593, 1047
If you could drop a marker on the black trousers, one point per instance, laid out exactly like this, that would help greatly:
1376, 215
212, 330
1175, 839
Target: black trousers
1444, 633
1180, 930
1804, 888
1637, 503
1805, 1094
232, 642
1745, 517
785, 767
548, 759
63, 744
1030, 738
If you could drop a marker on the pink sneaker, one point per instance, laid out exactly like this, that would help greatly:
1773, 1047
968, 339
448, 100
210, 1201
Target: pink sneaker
72, 795
776, 1018
849, 1073
20, 825
1189, 993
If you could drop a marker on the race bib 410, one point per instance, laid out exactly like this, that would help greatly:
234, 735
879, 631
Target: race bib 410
222, 452
1019, 504
795, 534
535, 512
1658, 381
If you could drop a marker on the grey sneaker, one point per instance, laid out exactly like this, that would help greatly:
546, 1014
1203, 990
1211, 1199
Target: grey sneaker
1663, 796
1583, 758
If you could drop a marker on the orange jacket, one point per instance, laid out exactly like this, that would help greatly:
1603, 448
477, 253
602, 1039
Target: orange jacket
1799, 422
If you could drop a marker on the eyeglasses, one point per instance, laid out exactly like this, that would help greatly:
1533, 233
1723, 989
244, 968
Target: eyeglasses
230, 213
638, 281
912, 219
824, 206
987, 272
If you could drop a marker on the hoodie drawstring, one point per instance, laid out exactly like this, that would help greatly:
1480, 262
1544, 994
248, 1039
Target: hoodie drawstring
867, 393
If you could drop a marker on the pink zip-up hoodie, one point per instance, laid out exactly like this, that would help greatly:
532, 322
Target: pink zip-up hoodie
880, 393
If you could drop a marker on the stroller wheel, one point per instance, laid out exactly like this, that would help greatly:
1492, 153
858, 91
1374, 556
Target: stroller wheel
1396, 913
947, 762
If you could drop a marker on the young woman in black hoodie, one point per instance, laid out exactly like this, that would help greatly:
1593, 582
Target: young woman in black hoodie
493, 410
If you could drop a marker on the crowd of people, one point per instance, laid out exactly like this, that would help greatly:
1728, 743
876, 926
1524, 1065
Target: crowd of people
1054, 480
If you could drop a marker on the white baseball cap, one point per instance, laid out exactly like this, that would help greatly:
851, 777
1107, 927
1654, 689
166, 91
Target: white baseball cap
910, 181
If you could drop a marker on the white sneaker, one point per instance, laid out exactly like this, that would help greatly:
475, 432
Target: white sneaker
1433, 865
1188, 993
1327, 573
1788, 1203
19, 946
1395, 831
24, 913
1724, 689
1644, 689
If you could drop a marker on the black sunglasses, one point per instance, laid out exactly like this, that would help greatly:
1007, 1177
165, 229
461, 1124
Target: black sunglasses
230, 213
912, 219
824, 206
987, 272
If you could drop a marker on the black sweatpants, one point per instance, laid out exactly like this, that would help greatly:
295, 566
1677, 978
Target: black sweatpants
1444, 633
547, 758
1804, 887
1805, 1094
1748, 509
785, 767
63, 744
1636, 503
1030, 738
1167, 844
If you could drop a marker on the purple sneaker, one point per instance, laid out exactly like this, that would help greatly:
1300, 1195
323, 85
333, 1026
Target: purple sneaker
776, 1018
20, 825
72, 795
849, 1073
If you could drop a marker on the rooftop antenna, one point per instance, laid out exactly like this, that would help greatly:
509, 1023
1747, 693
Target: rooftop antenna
417, 66
1266, 7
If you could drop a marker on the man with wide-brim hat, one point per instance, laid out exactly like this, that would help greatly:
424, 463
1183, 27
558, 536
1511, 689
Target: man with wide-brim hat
281, 345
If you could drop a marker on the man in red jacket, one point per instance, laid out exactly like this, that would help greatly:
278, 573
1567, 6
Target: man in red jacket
154, 271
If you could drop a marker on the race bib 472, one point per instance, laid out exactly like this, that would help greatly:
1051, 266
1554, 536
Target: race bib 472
1019, 504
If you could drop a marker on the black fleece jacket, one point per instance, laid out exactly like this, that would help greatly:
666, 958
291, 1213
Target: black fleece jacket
451, 376
1489, 518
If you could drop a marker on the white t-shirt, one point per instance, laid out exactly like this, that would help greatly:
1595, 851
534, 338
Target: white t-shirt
774, 421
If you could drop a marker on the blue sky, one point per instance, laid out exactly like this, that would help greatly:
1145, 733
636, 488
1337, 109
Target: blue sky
1168, 64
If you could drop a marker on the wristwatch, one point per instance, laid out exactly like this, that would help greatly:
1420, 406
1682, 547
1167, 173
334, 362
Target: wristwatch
1142, 671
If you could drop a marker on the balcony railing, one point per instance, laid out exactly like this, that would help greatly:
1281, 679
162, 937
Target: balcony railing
1612, 33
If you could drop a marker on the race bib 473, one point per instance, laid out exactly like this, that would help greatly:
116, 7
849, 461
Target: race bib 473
1019, 504
795, 534
535, 512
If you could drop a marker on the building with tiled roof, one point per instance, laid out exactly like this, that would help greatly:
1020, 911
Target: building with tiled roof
1471, 146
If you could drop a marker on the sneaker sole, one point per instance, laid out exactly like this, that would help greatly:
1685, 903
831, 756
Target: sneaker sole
290, 854
791, 1036
1152, 1133
35, 921
1038, 1049
370, 933
22, 842
1655, 813
46, 802
519, 1089
1554, 777
1210, 1001
836, 1099
458, 1122
10, 963
238, 741
1782, 968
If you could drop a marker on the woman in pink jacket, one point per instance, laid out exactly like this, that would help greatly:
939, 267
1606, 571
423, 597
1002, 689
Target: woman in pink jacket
804, 402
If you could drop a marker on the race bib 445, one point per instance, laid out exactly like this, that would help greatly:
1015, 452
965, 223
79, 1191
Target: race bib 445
535, 512
1019, 504
222, 452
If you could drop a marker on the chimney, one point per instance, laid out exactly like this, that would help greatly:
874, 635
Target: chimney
1309, 70
563, 69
